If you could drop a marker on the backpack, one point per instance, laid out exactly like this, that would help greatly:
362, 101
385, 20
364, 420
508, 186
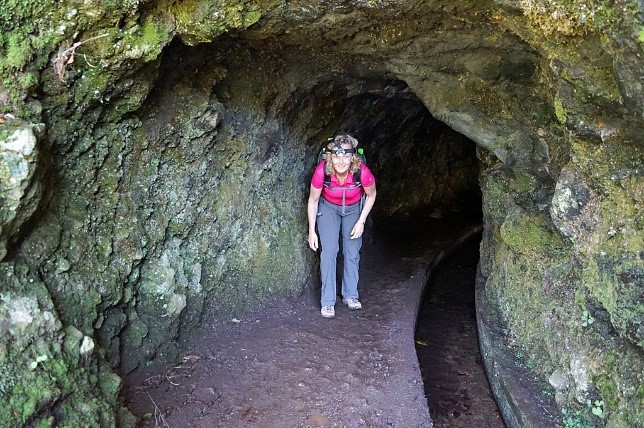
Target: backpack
357, 180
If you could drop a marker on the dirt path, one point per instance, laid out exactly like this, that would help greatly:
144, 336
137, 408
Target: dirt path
285, 366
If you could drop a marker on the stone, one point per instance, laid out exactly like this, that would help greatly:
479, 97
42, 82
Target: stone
558, 380
20, 191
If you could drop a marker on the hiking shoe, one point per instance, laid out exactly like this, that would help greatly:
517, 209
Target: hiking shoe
352, 303
328, 311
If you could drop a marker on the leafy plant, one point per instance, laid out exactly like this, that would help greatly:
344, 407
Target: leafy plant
586, 319
596, 407
574, 419
39, 359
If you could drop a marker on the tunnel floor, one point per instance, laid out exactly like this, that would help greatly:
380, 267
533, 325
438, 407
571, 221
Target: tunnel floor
285, 366
456, 386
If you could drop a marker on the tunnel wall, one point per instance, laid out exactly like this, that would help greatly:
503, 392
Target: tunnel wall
103, 266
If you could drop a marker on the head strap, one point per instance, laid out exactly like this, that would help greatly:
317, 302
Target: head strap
341, 151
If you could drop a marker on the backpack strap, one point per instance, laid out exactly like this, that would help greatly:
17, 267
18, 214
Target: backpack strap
357, 179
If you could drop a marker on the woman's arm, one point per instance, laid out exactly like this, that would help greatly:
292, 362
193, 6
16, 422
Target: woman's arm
358, 229
312, 213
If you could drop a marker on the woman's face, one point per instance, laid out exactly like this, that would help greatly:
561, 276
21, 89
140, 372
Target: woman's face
341, 163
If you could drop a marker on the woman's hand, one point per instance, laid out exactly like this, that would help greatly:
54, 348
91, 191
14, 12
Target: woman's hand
313, 241
358, 230
312, 213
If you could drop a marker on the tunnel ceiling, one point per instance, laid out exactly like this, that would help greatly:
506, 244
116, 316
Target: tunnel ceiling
455, 59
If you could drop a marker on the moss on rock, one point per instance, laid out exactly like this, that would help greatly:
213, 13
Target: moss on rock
39, 373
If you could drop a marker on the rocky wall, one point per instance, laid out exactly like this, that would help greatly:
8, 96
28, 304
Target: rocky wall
567, 274
151, 151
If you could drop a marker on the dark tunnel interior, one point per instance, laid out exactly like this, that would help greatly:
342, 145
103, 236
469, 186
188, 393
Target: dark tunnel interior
425, 170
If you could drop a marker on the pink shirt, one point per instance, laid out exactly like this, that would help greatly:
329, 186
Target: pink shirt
334, 195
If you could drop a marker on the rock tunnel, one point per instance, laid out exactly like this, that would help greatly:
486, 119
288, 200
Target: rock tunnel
156, 158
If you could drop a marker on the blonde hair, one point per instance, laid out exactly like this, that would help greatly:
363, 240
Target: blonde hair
341, 139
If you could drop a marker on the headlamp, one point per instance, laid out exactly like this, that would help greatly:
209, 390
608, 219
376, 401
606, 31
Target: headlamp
342, 152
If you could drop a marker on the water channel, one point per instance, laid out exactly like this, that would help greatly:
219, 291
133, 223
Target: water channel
456, 385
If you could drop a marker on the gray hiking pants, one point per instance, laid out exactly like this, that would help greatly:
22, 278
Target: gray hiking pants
333, 222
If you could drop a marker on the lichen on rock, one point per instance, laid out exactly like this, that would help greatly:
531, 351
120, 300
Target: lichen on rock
20, 186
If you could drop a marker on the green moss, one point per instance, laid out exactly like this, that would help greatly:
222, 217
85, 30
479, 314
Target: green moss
523, 182
518, 290
609, 391
621, 300
600, 285
9, 378
28, 80
153, 34
495, 195
148, 41
560, 111
595, 84
44, 422
577, 17
109, 383
35, 389
528, 234
199, 21
611, 263
15, 12
18, 51
620, 210
573, 418
251, 17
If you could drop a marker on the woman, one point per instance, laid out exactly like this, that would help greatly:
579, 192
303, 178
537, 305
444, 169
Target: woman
340, 212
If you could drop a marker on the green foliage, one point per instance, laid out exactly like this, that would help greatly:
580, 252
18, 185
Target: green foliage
39, 359
596, 407
575, 419
586, 319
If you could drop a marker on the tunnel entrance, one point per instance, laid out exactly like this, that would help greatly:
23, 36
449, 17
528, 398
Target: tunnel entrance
179, 177
277, 103
259, 113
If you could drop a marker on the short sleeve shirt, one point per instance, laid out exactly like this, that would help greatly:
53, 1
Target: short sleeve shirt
335, 192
